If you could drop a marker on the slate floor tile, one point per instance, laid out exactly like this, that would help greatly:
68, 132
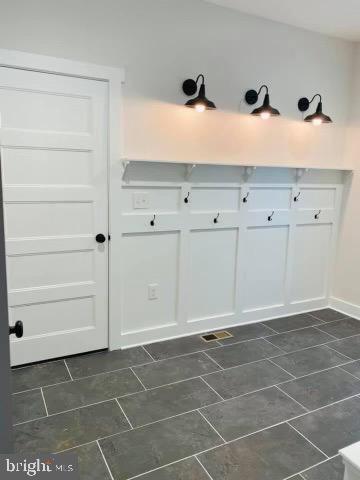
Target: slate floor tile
91, 462
189, 469
353, 368
323, 388
328, 314
273, 454
243, 415
307, 337
241, 353
175, 370
333, 427
164, 402
143, 449
349, 347
178, 346
342, 328
27, 406
66, 430
246, 332
330, 470
86, 391
310, 360
292, 322
246, 378
102, 362
34, 376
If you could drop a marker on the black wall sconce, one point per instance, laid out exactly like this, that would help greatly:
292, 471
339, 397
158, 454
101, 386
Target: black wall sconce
266, 110
316, 118
200, 103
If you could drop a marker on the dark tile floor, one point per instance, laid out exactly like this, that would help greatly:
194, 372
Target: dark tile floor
276, 401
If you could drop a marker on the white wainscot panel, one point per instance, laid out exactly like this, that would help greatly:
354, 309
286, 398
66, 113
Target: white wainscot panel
317, 198
52, 317
154, 199
212, 273
265, 267
310, 262
151, 260
25, 166
48, 219
31, 271
264, 198
214, 199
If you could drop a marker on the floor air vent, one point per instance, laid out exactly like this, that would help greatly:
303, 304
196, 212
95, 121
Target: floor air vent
211, 337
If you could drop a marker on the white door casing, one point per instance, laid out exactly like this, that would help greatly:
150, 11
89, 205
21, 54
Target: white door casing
54, 151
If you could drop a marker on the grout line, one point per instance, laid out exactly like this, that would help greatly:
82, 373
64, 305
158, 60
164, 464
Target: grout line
105, 461
213, 389
311, 467
152, 358
141, 383
293, 399
214, 361
282, 351
67, 367
345, 371
268, 326
327, 333
42, 394
203, 468
283, 369
309, 441
212, 426
333, 350
123, 411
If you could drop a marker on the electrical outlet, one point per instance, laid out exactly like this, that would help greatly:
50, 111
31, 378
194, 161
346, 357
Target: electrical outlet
153, 291
141, 200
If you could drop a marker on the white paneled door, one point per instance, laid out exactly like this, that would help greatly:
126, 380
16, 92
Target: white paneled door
54, 164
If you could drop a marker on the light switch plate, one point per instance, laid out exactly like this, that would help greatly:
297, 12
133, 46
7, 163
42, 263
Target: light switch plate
153, 291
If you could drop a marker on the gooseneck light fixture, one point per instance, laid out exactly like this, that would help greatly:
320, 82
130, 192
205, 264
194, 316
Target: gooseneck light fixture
200, 103
266, 110
316, 118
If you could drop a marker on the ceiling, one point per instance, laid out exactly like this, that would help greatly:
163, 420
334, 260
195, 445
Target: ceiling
339, 18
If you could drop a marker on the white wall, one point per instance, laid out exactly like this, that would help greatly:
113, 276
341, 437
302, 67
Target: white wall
347, 283
161, 42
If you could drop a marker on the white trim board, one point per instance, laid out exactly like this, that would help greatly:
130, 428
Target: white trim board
345, 307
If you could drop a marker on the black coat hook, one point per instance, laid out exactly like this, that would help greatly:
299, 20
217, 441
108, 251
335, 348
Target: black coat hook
216, 219
270, 216
186, 199
245, 199
297, 197
317, 215
152, 222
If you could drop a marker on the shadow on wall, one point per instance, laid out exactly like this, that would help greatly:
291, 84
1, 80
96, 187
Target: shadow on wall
163, 131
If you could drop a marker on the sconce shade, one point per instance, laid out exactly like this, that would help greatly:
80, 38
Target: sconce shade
201, 102
318, 116
266, 110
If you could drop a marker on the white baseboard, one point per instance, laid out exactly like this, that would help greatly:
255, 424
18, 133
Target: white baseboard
345, 307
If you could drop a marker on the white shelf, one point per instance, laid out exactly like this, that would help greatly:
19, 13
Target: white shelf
240, 164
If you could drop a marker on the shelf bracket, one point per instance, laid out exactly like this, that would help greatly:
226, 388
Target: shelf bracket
299, 172
189, 170
125, 164
248, 171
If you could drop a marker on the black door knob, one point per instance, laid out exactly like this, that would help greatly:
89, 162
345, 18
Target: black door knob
17, 329
100, 238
